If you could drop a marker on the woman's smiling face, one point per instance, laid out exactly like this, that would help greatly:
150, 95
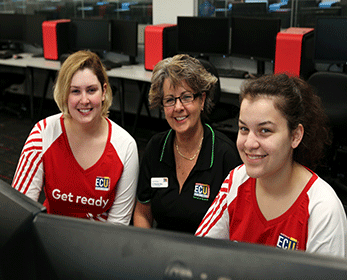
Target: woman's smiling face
264, 140
182, 118
86, 96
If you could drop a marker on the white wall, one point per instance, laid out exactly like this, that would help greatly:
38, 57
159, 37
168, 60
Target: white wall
166, 11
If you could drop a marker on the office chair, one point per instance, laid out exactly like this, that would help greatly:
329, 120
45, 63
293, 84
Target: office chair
332, 88
221, 113
6, 80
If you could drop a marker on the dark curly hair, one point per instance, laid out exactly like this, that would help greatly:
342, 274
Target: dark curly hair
299, 104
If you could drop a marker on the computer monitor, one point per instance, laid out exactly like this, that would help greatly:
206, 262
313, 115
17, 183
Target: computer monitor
307, 16
12, 27
330, 40
255, 38
251, 9
71, 248
90, 34
33, 29
203, 36
17, 213
124, 40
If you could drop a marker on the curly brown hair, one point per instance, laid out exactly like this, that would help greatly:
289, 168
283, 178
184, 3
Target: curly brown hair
177, 69
299, 104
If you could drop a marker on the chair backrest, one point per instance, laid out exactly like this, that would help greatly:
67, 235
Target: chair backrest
332, 88
221, 112
213, 70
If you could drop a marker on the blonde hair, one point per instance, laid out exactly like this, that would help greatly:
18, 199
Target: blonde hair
177, 69
78, 61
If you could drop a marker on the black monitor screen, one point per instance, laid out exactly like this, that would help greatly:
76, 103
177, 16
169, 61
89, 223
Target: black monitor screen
203, 35
124, 37
254, 38
331, 40
90, 34
308, 15
70, 248
17, 212
33, 29
12, 27
249, 9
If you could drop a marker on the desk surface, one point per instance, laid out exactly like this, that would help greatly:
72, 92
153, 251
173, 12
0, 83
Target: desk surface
132, 72
14, 62
135, 72
231, 85
42, 63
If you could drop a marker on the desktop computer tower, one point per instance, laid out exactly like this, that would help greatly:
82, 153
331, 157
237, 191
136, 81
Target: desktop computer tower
55, 35
295, 51
160, 42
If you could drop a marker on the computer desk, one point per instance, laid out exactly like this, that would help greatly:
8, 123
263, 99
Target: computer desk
50, 66
135, 72
142, 77
138, 73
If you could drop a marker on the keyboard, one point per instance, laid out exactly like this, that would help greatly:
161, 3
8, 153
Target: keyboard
4, 54
109, 64
233, 73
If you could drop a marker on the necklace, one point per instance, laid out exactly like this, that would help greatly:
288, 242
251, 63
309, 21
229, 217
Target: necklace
193, 157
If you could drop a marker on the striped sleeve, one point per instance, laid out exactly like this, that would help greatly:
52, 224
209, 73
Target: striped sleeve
28, 178
215, 224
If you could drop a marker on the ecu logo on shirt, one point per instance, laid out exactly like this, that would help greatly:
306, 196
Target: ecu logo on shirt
287, 243
201, 191
102, 183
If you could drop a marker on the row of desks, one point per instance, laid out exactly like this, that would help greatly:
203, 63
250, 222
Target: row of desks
27, 64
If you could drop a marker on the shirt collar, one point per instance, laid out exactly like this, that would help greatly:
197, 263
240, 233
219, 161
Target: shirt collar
206, 156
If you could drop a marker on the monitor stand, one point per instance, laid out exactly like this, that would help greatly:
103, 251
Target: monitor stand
131, 61
260, 68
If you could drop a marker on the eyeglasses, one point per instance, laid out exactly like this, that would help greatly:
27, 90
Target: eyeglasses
185, 99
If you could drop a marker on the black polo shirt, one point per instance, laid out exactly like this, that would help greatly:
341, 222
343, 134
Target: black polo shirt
158, 182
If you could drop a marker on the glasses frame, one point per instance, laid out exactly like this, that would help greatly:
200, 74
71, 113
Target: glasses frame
195, 95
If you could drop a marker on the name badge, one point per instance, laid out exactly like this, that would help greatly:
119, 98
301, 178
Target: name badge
162, 182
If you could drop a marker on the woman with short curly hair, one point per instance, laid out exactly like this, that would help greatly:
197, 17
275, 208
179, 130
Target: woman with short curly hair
182, 168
